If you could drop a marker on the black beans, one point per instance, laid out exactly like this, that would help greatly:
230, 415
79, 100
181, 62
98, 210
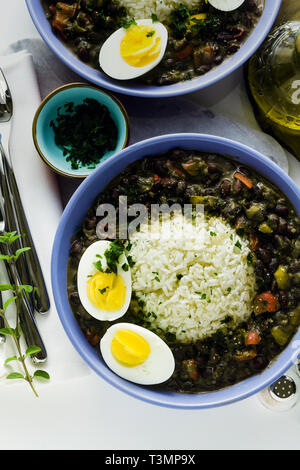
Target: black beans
282, 226
282, 210
273, 221
219, 59
91, 222
84, 54
74, 298
225, 187
76, 247
233, 48
294, 266
283, 299
264, 255
260, 362
273, 265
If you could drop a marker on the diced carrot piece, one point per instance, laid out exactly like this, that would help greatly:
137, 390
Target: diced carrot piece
247, 182
185, 53
252, 338
63, 13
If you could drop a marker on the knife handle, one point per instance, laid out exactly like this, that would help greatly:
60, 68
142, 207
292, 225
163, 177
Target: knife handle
2, 323
18, 220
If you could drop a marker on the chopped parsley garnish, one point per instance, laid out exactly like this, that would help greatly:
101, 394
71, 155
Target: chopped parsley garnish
229, 290
154, 18
150, 34
127, 24
238, 245
157, 279
180, 17
112, 255
98, 265
125, 267
128, 246
213, 234
203, 296
179, 276
102, 291
84, 132
130, 261
170, 337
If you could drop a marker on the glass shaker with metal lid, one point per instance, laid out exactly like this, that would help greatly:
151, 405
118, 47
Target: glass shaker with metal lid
274, 83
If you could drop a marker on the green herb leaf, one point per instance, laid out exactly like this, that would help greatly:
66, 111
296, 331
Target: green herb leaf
150, 34
10, 359
127, 24
22, 250
6, 331
9, 301
32, 350
41, 374
15, 375
4, 287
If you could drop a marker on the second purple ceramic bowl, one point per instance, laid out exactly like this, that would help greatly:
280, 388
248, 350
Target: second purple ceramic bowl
228, 66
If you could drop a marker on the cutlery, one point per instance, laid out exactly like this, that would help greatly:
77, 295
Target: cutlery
2, 324
26, 313
16, 220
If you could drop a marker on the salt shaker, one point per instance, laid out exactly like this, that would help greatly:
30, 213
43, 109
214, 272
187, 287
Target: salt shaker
284, 393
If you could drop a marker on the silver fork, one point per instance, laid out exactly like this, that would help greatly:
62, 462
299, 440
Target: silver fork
30, 269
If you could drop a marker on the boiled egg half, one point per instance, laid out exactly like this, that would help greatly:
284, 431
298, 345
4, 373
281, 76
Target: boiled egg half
226, 5
131, 52
136, 354
104, 294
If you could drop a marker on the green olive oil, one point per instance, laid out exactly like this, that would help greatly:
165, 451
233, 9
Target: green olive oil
274, 84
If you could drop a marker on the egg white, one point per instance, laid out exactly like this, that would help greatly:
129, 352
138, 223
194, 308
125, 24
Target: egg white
86, 268
157, 368
226, 5
115, 66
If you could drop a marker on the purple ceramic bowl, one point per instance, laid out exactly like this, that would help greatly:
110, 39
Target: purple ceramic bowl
71, 221
228, 66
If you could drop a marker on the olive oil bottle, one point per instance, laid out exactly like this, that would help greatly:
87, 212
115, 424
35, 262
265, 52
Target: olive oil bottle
274, 82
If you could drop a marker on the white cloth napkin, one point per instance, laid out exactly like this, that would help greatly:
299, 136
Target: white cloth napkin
43, 209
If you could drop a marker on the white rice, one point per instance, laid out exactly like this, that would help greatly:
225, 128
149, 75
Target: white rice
143, 9
216, 281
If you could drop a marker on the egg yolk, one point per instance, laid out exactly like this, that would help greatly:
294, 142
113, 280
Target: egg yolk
106, 291
129, 348
140, 46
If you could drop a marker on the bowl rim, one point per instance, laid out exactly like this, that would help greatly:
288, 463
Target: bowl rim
218, 398
70, 60
55, 92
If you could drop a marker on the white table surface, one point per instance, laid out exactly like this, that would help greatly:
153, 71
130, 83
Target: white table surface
89, 413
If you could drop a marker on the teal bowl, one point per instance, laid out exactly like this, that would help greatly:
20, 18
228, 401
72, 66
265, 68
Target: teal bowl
43, 134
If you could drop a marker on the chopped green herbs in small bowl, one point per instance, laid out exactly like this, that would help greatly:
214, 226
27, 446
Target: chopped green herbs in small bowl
77, 127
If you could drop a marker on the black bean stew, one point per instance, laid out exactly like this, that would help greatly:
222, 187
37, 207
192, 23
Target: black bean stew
257, 210
195, 45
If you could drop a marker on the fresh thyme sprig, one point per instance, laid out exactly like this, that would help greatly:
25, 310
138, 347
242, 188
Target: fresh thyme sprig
6, 240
